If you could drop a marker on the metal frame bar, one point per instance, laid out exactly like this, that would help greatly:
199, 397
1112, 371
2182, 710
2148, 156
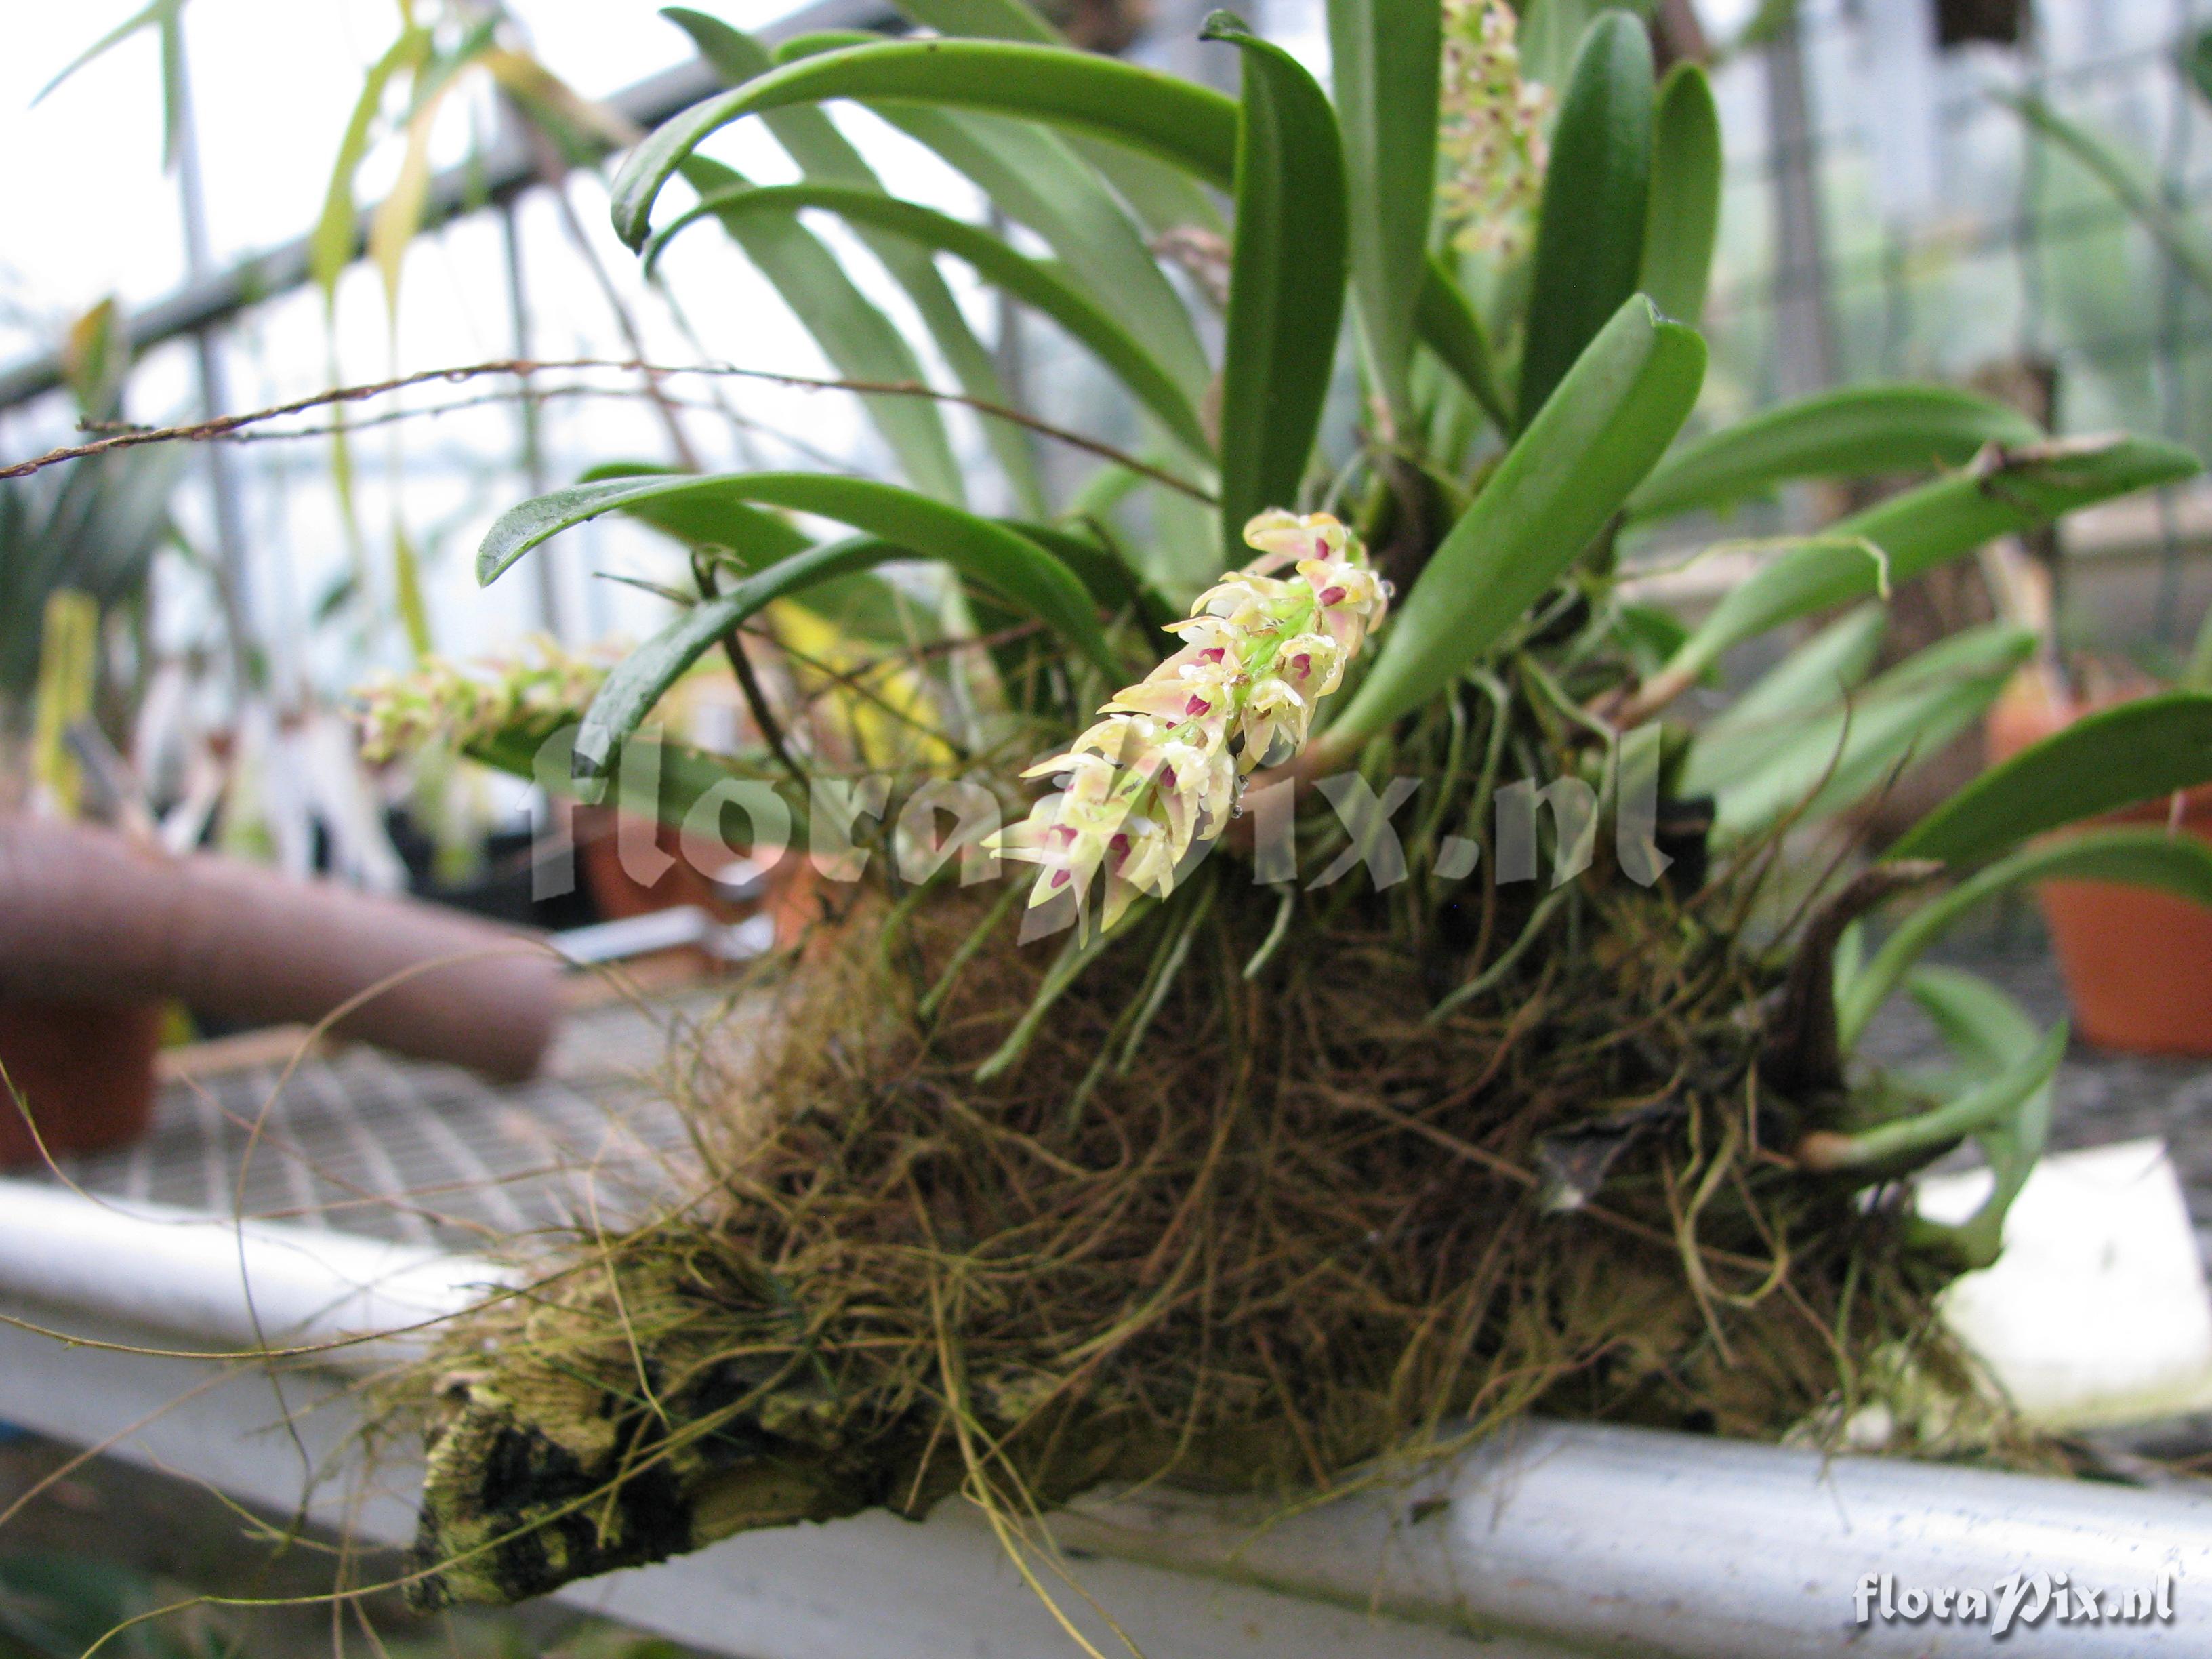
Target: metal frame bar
1544, 1540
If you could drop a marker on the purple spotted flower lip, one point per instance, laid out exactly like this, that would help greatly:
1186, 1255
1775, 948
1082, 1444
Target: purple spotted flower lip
1162, 769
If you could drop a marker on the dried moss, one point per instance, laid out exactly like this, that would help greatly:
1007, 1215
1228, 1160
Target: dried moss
1248, 1233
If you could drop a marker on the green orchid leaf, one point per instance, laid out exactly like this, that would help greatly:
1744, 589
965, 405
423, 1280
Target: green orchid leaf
1009, 563
1188, 126
1589, 239
1895, 540
1030, 281
1104, 572
1385, 60
861, 605
1856, 432
2011, 1068
1684, 219
825, 155
859, 340
1286, 281
1162, 196
2113, 758
754, 538
1549, 32
634, 688
1833, 761
1986, 1105
2135, 855
1617, 410
1759, 724
1037, 178
1451, 327
985, 20
1984, 1027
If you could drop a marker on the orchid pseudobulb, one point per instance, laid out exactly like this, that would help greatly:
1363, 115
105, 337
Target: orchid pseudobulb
1161, 773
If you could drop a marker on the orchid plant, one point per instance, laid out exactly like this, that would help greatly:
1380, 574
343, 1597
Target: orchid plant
1524, 346
1467, 406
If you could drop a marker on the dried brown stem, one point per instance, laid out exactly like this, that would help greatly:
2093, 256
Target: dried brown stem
223, 426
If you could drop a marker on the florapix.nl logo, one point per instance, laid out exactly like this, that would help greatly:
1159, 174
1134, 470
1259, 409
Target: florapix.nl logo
837, 824
2019, 1600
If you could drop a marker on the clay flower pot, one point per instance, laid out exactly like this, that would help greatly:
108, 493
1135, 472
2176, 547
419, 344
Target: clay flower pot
2137, 964
785, 892
85, 1069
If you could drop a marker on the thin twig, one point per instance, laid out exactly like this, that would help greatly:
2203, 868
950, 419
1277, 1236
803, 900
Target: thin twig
223, 426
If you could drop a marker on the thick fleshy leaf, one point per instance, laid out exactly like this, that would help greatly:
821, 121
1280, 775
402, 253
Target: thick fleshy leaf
1812, 678
825, 155
1854, 432
1384, 69
1191, 127
861, 606
1685, 215
753, 538
1617, 410
1001, 559
1037, 178
859, 341
2134, 855
638, 683
985, 20
1451, 327
1833, 760
1037, 181
1896, 539
1589, 240
683, 774
1549, 32
1031, 281
1147, 111
1286, 281
1907, 1143
1986, 1030
2009, 1068
2113, 758
1164, 197
1112, 584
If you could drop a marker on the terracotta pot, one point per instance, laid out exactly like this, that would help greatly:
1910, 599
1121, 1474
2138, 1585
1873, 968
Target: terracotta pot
616, 893
85, 1069
787, 892
2137, 964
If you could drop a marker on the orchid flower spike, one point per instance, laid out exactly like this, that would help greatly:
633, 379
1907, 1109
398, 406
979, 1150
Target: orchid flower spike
1161, 771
